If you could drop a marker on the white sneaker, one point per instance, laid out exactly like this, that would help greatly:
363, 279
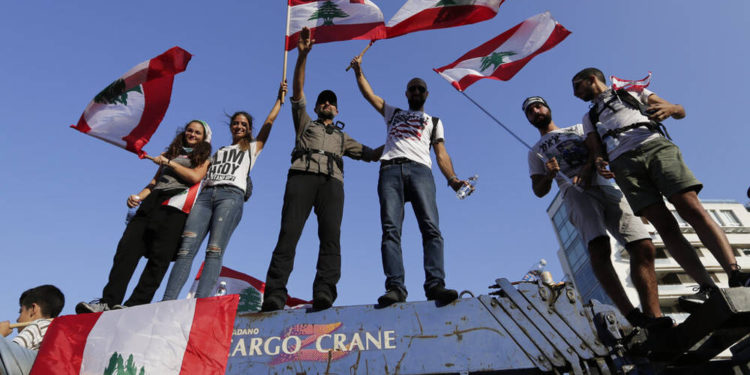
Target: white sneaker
91, 307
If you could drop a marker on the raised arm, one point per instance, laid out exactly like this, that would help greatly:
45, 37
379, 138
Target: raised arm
304, 45
265, 130
364, 87
446, 166
660, 109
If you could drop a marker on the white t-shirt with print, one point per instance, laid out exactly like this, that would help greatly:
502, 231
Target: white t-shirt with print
614, 114
567, 145
410, 135
230, 166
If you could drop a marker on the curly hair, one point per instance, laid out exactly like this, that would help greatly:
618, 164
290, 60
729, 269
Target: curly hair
201, 151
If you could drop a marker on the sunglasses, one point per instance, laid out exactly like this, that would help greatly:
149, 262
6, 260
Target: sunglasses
421, 89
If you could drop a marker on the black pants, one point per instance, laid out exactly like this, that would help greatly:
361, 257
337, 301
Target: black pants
305, 191
154, 232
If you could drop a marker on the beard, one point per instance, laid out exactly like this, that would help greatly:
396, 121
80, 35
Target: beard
416, 104
542, 122
326, 115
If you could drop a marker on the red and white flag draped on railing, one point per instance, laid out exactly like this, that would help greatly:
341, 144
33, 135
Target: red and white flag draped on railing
167, 338
128, 111
618, 83
503, 56
249, 288
418, 15
334, 20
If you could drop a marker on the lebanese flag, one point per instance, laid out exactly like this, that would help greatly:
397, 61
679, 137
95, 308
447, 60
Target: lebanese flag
249, 288
418, 15
173, 337
619, 83
503, 56
185, 200
334, 20
128, 111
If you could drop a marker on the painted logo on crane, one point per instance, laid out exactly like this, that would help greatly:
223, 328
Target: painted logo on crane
310, 342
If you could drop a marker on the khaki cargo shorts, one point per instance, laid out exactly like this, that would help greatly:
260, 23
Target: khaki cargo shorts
652, 170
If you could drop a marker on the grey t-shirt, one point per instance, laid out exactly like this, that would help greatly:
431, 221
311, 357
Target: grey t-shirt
614, 114
567, 145
169, 179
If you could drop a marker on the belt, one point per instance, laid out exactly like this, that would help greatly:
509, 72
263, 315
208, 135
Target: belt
395, 161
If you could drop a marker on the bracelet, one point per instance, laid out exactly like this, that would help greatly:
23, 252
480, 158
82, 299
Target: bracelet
451, 179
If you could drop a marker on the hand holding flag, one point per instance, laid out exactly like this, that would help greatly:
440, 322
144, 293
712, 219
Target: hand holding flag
334, 20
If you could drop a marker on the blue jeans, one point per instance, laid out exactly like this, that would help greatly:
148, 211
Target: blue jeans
218, 209
409, 182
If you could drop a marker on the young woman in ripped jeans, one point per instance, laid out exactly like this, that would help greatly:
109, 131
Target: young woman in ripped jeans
219, 206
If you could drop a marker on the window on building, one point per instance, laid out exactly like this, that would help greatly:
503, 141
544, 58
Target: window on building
669, 279
729, 218
716, 217
744, 250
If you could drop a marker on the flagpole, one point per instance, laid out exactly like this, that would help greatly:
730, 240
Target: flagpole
286, 40
540, 156
362, 53
20, 325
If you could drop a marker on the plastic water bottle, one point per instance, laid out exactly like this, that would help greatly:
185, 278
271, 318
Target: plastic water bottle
466, 190
132, 210
535, 271
222, 289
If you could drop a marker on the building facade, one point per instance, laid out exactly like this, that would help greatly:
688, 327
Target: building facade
673, 282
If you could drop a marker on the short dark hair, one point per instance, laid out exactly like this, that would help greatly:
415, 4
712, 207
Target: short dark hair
50, 299
585, 73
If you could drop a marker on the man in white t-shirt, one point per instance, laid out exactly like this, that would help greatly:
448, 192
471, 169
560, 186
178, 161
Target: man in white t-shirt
648, 167
594, 206
38, 306
406, 176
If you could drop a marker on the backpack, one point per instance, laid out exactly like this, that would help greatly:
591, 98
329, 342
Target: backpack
634, 103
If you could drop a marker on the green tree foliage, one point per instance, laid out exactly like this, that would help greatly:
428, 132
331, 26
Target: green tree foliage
117, 367
328, 11
495, 59
250, 300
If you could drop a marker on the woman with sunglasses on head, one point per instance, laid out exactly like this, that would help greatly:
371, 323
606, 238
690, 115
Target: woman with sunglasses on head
154, 231
218, 209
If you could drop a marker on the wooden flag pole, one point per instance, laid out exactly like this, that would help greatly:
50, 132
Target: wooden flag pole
362, 53
19, 325
286, 40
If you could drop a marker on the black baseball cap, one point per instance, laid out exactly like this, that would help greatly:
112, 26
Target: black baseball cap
327, 95
531, 100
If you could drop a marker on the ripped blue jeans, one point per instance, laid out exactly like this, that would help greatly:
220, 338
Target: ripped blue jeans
218, 210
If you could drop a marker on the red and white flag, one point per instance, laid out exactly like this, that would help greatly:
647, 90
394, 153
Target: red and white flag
128, 111
249, 288
185, 200
503, 56
334, 20
173, 337
418, 15
619, 83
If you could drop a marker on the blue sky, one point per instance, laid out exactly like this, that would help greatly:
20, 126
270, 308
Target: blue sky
63, 197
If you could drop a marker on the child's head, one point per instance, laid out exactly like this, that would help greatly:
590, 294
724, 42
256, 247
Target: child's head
45, 301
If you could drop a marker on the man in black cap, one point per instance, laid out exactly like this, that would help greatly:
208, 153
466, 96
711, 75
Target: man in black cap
597, 207
315, 180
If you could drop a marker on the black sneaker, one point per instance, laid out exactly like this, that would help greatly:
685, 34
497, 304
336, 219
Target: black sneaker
271, 304
739, 279
322, 301
94, 306
691, 302
442, 294
390, 297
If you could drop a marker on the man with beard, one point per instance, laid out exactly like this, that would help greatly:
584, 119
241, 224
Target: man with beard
406, 176
315, 180
593, 209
